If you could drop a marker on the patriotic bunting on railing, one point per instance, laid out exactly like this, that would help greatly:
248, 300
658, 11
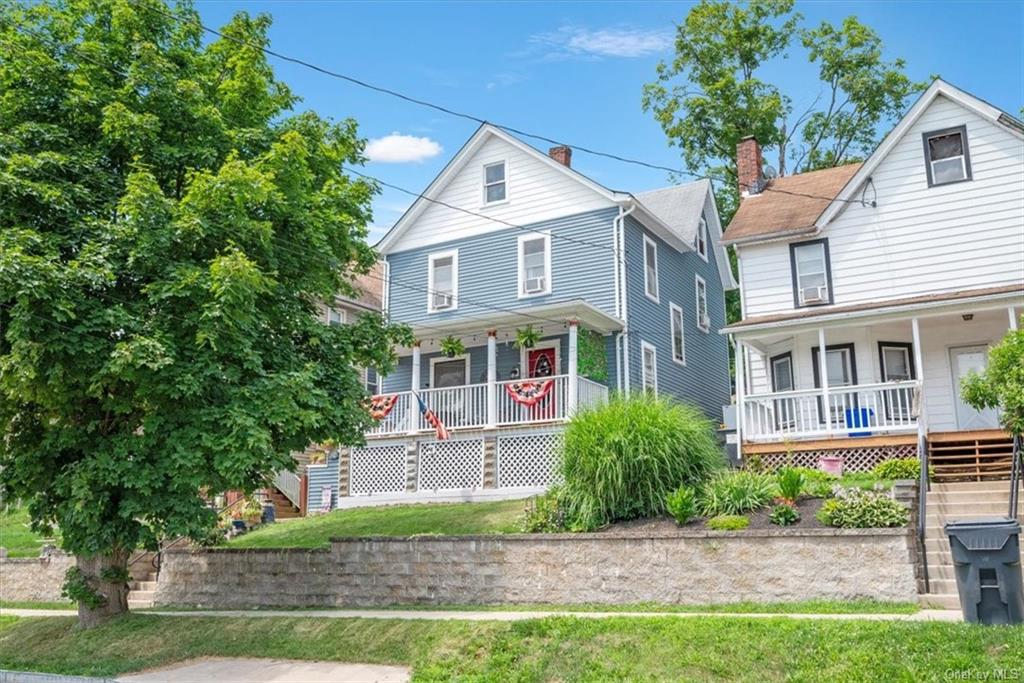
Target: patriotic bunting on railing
380, 406
529, 393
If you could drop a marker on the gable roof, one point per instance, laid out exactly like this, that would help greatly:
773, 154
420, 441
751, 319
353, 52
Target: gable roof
787, 206
679, 206
775, 213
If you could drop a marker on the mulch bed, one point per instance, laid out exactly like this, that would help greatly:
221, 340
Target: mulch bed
808, 508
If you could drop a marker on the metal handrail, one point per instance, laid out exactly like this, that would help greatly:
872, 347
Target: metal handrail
1016, 472
161, 547
922, 512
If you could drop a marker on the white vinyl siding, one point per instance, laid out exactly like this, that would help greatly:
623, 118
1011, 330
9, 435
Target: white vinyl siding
700, 289
496, 182
810, 268
947, 156
534, 265
443, 281
649, 367
675, 314
541, 192
650, 268
920, 239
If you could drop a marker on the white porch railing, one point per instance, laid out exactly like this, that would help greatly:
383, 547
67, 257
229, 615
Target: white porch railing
289, 484
465, 407
857, 410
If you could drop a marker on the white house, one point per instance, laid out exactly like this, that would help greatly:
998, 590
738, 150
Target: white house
905, 268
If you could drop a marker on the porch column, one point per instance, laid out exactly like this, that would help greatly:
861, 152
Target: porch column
823, 374
1013, 319
741, 374
492, 378
573, 393
915, 329
414, 385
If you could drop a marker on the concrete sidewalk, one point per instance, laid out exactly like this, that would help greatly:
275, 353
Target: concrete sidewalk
250, 670
484, 615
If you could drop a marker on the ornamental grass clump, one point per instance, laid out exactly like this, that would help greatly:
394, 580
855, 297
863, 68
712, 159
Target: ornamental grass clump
791, 483
733, 493
622, 459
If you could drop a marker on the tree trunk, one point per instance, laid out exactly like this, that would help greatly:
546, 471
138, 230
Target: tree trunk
114, 592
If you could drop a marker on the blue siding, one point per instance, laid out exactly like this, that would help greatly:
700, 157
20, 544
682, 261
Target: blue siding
704, 380
487, 270
319, 477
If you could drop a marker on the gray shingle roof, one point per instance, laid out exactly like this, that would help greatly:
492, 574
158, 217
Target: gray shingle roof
679, 206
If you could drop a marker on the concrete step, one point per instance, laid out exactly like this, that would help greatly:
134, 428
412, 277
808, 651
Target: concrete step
940, 600
961, 486
142, 595
969, 498
941, 571
942, 586
137, 586
939, 520
140, 604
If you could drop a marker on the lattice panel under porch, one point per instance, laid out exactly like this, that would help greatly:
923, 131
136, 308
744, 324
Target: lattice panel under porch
854, 459
378, 469
451, 464
528, 459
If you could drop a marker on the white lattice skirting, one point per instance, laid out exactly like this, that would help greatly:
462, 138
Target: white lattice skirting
378, 469
528, 459
456, 464
854, 459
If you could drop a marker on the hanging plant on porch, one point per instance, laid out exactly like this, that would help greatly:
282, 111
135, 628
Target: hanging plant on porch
591, 359
452, 346
527, 337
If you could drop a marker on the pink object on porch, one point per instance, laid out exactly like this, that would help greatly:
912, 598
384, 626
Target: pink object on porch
831, 465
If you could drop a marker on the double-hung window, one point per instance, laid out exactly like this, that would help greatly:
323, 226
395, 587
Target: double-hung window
812, 281
649, 367
443, 281
947, 159
372, 382
495, 183
650, 268
701, 290
676, 326
335, 316
534, 265
702, 238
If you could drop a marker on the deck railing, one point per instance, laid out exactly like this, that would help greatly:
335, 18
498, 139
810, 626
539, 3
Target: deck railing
855, 410
465, 407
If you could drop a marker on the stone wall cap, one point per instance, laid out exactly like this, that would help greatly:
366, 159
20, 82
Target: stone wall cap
627, 536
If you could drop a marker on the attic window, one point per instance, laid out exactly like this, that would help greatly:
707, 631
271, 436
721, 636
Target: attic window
702, 238
494, 183
947, 159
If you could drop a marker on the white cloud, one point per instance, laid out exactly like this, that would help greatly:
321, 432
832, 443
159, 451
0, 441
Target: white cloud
576, 41
401, 149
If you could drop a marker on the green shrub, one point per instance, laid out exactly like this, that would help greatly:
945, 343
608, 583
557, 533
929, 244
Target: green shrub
784, 515
899, 468
543, 514
682, 504
791, 483
620, 460
817, 483
854, 508
733, 493
728, 523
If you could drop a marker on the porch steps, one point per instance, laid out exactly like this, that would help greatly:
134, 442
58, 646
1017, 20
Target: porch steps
283, 507
970, 456
948, 502
141, 591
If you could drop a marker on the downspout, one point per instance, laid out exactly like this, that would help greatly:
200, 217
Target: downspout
624, 296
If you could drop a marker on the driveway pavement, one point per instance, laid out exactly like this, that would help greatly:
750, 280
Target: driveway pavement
245, 670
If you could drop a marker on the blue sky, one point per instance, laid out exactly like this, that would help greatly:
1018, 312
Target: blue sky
574, 71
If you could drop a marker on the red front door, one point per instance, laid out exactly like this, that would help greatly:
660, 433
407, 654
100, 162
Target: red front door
541, 363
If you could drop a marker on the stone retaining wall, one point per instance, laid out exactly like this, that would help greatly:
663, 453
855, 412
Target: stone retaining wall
686, 567
35, 579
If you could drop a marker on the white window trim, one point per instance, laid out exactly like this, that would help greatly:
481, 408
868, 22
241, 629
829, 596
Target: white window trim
454, 254
483, 184
702, 238
672, 308
327, 314
699, 283
445, 359
647, 284
524, 355
644, 346
521, 280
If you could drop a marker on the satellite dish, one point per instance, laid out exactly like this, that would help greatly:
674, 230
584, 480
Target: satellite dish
769, 173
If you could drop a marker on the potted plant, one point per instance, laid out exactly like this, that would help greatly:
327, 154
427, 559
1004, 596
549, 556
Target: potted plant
252, 512
831, 464
452, 346
527, 337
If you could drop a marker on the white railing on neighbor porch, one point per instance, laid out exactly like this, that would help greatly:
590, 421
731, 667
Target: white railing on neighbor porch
465, 407
857, 410
289, 484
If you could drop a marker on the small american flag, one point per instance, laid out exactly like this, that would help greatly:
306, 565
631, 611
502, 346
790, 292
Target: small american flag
433, 420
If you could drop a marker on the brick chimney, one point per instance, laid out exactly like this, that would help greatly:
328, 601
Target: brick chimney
748, 165
561, 154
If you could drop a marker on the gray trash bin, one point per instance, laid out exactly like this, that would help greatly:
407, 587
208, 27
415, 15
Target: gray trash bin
986, 555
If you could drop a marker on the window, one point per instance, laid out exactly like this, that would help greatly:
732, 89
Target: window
812, 277
534, 265
649, 367
782, 372
650, 268
842, 371
443, 281
495, 188
676, 325
701, 289
896, 361
702, 238
335, 316
449, 372
372, 382
947, 159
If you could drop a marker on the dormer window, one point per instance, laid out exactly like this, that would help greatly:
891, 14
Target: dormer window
495, 189
947, 159
702, 238
812, 277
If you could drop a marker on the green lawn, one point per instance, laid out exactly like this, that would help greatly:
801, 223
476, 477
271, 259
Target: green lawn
556, 648
15, 535
497, 517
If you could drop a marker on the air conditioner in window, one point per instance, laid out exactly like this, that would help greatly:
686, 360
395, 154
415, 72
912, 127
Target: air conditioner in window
814, 295
442, 301
534, 285
704, 321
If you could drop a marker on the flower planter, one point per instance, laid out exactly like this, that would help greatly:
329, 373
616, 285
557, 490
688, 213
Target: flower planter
830, 464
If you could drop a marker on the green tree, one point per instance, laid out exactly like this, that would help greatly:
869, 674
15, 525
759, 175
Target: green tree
1001, 385
166, 229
